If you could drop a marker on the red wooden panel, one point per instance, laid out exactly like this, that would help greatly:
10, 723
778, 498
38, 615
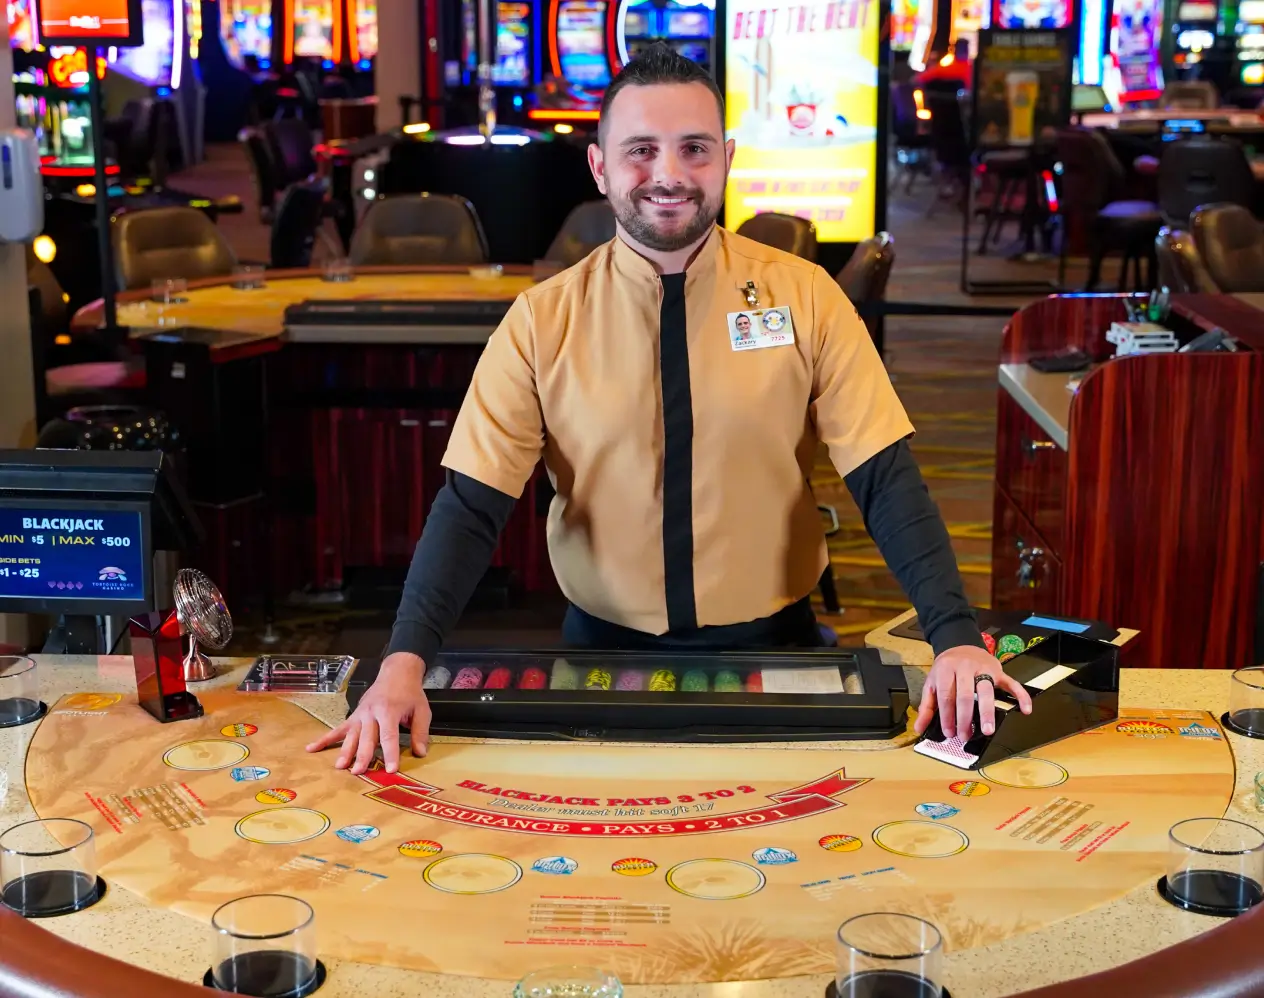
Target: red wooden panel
1052, 324
1031, 472
1164, 500
1014, 540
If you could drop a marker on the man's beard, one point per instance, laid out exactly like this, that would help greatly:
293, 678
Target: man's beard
628, 211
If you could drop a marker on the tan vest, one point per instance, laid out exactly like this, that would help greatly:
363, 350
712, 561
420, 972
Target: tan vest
574, 375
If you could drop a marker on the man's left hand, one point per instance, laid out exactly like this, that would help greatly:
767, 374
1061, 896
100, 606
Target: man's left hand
950, 688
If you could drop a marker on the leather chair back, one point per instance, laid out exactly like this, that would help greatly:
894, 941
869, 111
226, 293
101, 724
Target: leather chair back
784, 232
948, 138
157, 243
1190, 95
34, 963
864, 278
1092, 175
588, 226
1181, 269
1230, 241
263, 170
291, 143
411, 229
294, 226
1200, 171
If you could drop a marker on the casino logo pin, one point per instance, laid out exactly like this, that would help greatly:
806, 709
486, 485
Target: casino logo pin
558, 865
276, 795
937, 812
420, 848
238, 730
774, 856
839, 843
969, 788
244, 773
773, 321
634, 866
357, 833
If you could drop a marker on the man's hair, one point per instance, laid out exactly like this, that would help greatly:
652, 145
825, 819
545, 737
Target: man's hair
658, 64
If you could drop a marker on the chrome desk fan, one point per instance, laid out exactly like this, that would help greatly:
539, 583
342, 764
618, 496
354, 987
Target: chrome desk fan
204, 616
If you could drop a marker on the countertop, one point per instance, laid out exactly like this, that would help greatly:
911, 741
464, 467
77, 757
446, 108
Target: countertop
1044, 397
1135, 925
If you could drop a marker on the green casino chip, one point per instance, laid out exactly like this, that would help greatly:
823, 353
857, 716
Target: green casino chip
694, 681
728, 681
1010, 643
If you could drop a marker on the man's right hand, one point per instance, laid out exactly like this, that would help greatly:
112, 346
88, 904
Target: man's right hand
396, 697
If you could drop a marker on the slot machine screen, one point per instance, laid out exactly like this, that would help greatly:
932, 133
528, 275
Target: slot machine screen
581, 42
513, 40
1197, 11
1252, 11
688, 24
694, 51
636, 23
151, 63
365, 29
1030, 14
246, 30
312, 29
1253, 74
22, 33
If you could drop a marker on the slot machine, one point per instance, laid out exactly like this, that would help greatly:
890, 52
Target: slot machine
245, 27
1249, 44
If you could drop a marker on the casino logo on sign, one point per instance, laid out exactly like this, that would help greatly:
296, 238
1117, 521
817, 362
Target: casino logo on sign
969, 788
936, 812
238, 730
1143, 729
774, 321
243, 773
357, 833
774, 856
1197, 730
420, 848
634, 866
840, 843
277, 795
556, 865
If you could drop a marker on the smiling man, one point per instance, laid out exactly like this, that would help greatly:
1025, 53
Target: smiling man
679, 449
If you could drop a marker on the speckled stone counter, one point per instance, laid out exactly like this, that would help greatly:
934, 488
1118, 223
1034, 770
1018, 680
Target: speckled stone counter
126, 928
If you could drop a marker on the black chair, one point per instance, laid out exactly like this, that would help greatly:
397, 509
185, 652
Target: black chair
1202, 170
296, 224
1190, 95
789, 233
1181, 269
263, 171
157, 243
1092, 184
291, 143
414, 229
949, 145
588, 226
865, 275
1230, 242
910, 138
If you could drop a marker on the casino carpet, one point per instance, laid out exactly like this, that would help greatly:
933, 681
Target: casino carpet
943, 368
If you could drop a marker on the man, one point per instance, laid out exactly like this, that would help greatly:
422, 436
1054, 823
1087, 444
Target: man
683, 516
743, 326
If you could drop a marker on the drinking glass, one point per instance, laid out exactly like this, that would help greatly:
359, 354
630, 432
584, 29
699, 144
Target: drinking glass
1215, 866
265, 946
889, 955
19, 691
1246, 702
48, 867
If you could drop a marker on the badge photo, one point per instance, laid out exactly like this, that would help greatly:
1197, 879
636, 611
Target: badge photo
757, 328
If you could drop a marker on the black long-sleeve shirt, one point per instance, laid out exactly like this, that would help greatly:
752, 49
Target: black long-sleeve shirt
465, 522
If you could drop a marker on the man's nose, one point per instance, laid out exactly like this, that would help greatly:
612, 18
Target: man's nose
668, 169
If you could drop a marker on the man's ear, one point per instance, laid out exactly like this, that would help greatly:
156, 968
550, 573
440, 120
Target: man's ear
597, 163
729, 146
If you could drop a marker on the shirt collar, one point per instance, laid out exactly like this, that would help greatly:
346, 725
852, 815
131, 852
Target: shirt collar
629, 263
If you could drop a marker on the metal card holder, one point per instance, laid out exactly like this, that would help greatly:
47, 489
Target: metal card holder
298, 674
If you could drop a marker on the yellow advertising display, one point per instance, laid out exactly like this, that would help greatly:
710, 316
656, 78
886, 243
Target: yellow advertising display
802, 92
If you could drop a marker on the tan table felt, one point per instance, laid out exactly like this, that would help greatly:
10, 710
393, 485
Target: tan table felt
261, 311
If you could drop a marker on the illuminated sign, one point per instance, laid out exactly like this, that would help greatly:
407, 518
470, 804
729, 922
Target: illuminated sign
68, 68
90, 22
802, 93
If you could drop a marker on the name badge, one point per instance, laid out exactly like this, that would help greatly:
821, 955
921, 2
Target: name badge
757, 328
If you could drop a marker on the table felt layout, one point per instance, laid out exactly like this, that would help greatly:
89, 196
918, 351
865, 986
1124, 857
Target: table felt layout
261, 311
664, 865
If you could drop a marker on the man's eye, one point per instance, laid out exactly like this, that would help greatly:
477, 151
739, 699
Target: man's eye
640, 151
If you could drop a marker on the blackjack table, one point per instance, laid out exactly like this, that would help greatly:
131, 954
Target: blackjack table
686, 868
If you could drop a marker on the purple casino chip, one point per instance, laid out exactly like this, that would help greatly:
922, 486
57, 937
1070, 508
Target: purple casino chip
630, 680
468, 678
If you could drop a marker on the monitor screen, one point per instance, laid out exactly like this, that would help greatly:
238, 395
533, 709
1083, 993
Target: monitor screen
312, 31
1088, 98
90, 22
581, 42
151, 63
636, 23
513, 41
1196, 10
364, 29
22, 32
688, 24
71, 552
246, 29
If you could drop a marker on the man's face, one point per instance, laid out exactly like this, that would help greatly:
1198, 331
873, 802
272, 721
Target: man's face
743, 325
663, 162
